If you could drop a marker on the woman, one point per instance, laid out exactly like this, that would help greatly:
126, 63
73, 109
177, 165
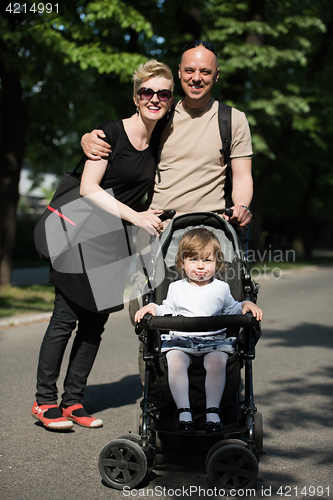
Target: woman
115, 191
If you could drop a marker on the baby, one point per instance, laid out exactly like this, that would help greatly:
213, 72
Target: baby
199, 257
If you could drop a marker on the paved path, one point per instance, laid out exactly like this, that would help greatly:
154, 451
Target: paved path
292, 385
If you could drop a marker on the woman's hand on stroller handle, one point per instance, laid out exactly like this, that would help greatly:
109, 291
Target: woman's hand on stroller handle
151, 220
148, 220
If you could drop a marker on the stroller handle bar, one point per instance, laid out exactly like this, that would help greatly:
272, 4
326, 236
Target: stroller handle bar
198, 323
168, 214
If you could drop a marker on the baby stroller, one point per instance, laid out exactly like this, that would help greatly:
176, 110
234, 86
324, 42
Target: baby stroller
232, 456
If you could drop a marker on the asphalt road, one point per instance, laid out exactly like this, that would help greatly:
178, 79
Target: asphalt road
293, 374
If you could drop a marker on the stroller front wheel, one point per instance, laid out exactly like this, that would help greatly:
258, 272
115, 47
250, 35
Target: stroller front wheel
224, 442
122, 463
150, 457
232, 467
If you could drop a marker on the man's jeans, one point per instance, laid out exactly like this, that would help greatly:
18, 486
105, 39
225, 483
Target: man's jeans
65, 316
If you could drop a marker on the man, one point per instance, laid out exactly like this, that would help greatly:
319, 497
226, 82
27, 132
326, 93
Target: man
191, 169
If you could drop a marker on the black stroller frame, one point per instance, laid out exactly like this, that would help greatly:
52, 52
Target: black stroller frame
232, 456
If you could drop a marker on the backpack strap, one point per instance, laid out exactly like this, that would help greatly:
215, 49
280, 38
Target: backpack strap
157, 133
224, 117
154, 147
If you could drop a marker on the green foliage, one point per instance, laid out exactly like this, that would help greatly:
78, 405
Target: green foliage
26, 299
61, 62
125, 15
276, 65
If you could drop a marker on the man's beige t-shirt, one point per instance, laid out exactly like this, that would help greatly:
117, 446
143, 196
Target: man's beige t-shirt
191, 167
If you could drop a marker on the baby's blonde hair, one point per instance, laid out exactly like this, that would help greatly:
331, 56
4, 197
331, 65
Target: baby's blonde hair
194, 242
151, 69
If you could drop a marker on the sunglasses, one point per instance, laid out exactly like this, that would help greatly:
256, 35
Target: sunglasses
146, 94
196, 43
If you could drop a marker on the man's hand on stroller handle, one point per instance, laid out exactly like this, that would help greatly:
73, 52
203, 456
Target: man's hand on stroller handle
238, 214
248, 306
149, 308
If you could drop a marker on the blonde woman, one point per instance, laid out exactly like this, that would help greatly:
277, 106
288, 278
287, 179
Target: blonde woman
117, 190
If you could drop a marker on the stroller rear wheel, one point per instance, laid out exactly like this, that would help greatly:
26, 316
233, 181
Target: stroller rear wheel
151, 458
233, 467
122, 462
131, 437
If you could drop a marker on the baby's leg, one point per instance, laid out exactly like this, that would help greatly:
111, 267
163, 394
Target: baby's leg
215, 365
178, 364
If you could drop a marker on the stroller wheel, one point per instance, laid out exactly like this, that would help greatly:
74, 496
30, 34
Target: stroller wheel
131, 437
233, 467
122, 463
225, 442
151, 460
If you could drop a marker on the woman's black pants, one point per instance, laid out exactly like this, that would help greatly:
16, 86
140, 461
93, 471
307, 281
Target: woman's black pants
90, 326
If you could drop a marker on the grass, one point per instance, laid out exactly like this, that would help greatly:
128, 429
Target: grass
25, 299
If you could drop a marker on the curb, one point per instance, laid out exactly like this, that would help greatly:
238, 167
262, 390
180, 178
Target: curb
287, 272
25, 319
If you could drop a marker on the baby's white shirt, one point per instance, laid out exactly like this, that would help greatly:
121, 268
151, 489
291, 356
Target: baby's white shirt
212, 299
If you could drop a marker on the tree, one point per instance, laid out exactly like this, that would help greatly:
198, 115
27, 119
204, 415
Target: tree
63, 73
41, 54
276, 66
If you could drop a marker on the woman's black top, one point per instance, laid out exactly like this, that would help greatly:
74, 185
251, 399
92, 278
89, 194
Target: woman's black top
132, 173
130, 176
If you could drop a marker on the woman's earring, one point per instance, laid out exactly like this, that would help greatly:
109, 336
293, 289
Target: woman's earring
137, 109
168, 113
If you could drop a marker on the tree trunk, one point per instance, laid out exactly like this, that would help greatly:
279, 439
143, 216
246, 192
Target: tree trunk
14, 127
306, 222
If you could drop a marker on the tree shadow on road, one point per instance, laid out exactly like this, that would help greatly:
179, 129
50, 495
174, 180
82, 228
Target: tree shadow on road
306, 379
303, 335
296, 401
305, 398
291, 392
